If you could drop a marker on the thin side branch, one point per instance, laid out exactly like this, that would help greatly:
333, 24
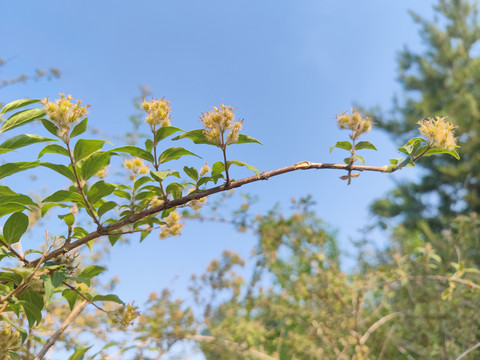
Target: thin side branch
303, 165
72, 316
204, 338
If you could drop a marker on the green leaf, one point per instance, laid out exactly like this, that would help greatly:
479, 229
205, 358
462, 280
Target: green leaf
109, 297
71, 297
141, 181
365, 145
175, 189
245, 139
359, 158
346, 145
21, 118
22, 140
17, 104
7, 195
61, 169
197, 136
218, 168
159, 175
9, 208
49, 289
94, 163
109, 205
113, 239
64, 196
191, 172
135, 151
79, 353
85, 147
12, 168
435, 151
15, 226
148, 145
174, 153
411, 146
99, 190
32, 303
51, 127
240, 163
68, 218
80, 128
165, 132
53, 149
91, 271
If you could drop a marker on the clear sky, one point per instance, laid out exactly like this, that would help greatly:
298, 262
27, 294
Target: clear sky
288, 67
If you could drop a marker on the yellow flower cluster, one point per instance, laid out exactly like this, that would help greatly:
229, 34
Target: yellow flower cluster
355, 122
137, 167
173, 225
158, 112
439, 132
125, 315
64, 112
10, 342
217, 122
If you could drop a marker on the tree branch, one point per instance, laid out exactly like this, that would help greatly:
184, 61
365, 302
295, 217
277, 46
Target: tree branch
303, 165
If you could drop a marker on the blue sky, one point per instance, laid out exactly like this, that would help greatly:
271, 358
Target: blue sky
288, 67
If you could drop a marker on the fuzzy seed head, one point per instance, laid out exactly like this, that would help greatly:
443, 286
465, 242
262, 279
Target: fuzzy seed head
172, 226
217, 122
204, 169
439, 132
136, 167
355, 122
10, 342
64, 112
158, 112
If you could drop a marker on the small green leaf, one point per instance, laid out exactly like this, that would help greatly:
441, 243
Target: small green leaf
165, 132
435, 151
21, 118
22, 140
71, 297
94, 163
17, 104
141, 181
48, 286
109, 205
12, 168
85, 147
61, 169
359, 158
50, 127
135, 151
148, 145
174, 153
79, 353
109, 297
68, 218
191, 172
80, 128
245, 139
15, 226
218, 168
53, 149
175, 189
99, 190
365, 145
91, 271
346, 145
240, 163
32, 303
197, 136
64, 196
159, 175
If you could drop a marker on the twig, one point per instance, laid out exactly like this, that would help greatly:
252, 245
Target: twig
469, 350
254, 352
376, 325
72, 316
